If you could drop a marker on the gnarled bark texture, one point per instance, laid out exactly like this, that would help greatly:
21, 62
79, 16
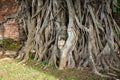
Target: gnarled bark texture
71, 34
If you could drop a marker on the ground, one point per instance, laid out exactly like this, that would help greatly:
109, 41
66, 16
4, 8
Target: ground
11, 70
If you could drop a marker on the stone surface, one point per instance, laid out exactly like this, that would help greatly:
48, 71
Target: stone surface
7, 8
11, 30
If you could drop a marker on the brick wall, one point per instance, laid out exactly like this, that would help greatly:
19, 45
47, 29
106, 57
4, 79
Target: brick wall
10, 30
7, 8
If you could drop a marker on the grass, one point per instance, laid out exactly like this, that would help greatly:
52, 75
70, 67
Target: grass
11, 70
71, 74
14, 71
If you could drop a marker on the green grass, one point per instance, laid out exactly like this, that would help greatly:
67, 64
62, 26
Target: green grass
11, 70
14, 71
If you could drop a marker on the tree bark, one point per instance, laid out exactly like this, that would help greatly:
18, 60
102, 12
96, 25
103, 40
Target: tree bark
71, 33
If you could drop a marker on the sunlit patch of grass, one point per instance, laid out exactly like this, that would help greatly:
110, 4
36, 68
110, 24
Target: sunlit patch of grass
14, 71
11, 70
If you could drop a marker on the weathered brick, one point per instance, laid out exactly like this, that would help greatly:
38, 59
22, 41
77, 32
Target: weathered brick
10, 30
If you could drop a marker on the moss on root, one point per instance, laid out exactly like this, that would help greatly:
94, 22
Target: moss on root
10, 44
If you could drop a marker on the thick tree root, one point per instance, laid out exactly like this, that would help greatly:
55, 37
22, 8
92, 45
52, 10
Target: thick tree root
71, 33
